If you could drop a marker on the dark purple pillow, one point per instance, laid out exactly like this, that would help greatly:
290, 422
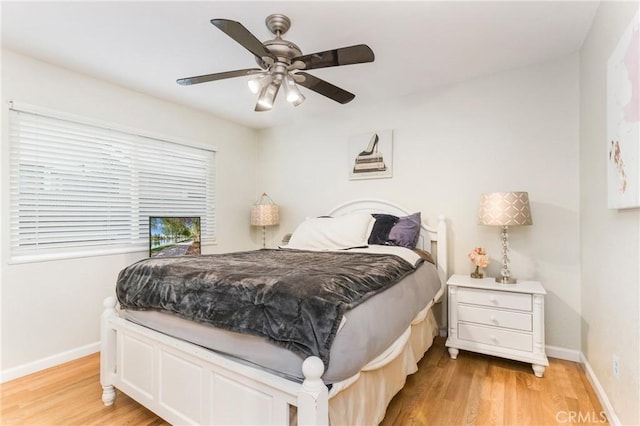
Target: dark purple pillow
381, 228
406, 231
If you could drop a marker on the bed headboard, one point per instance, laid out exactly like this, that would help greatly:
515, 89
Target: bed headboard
433, 240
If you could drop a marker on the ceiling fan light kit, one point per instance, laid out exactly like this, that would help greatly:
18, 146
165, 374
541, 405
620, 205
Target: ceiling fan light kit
267, 96
281, 62
257, 83
294, 96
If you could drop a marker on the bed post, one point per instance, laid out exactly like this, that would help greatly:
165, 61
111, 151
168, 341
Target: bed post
313, 399
443, 271
107, 351
442, 249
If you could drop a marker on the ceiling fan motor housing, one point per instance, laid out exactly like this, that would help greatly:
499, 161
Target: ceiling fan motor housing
282, 49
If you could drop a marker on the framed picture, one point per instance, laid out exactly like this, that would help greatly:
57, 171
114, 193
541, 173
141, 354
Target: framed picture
174, 236
623, 120
371, 155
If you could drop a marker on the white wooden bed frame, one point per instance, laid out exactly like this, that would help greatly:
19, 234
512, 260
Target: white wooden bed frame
186, 384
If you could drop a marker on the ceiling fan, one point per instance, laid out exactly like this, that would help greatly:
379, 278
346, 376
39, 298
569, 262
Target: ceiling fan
281, 63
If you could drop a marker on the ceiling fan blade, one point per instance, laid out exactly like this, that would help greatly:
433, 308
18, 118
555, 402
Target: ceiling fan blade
240, 34
357, 54
217, 76
326, 89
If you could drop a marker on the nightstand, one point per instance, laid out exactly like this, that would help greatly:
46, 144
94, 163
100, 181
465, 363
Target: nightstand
505, 320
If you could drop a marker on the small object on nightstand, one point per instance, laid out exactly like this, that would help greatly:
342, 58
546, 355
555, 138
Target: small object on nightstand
499, 320
479, 258
477, 273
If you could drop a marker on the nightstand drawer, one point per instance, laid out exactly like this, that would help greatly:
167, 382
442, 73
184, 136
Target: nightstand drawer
496, 299
495, 317
495, 337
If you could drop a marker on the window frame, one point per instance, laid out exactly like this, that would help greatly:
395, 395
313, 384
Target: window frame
138, 241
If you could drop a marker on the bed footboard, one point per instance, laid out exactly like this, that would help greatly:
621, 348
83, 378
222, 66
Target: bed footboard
187, 384
108, 351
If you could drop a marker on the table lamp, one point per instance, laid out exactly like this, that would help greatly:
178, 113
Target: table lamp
505, 209
265, 213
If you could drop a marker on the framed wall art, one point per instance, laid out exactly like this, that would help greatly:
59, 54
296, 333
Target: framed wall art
371, 155
623, 120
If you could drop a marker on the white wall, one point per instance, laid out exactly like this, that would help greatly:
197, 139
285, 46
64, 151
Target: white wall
610, 239
516, 130
537, 129
52, 307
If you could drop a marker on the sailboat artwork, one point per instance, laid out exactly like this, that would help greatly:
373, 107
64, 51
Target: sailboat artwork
371, 155
370, 160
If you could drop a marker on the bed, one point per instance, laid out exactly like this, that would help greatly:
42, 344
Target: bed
193, 373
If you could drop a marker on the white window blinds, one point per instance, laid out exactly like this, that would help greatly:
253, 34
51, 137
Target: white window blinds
80, 189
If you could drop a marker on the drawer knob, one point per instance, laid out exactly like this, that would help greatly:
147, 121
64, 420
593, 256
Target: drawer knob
494, 339
493, 299
493, 319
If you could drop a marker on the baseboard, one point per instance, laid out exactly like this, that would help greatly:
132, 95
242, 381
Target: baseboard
602, 396
563, 353
51, 361
577, 356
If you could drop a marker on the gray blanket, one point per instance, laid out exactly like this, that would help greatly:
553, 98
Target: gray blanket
294, 298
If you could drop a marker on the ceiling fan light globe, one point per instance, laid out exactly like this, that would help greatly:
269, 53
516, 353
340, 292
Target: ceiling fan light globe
265, 103
254, 85
293, 96
298, 101
257, 83
291, 90
268, 95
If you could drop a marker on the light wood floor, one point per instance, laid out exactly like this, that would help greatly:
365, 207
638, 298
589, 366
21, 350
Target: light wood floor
483, 390
474, 389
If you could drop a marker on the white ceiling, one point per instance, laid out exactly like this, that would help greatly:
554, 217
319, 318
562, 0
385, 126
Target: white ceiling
147, 45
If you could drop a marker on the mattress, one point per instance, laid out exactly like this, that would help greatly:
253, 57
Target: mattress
366, 331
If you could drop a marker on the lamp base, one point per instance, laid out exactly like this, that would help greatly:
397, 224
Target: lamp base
506, 280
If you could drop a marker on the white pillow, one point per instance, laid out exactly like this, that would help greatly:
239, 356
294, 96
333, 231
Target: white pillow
333, 233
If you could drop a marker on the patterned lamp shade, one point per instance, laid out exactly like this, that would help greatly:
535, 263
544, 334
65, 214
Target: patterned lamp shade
504, 209
265, 212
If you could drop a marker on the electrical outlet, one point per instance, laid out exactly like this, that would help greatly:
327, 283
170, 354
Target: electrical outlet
616, 366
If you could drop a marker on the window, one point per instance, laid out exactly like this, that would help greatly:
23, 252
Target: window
80, 188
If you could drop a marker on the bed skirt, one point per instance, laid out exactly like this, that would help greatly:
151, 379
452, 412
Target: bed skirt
376, 385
